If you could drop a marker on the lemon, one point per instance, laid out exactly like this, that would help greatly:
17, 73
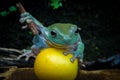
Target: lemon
52, 64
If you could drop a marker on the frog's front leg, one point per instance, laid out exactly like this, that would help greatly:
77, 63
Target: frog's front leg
39, 43
27, 17
29, 53
78, 52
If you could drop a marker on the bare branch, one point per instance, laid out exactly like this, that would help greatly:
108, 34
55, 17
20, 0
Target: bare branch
11, 50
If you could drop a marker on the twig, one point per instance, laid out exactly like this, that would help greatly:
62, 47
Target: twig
31, 23
11, 49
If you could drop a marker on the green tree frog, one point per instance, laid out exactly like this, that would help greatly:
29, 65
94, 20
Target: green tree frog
58, 35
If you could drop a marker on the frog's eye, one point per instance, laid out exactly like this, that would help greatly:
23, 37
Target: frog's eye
53, 34
77, 30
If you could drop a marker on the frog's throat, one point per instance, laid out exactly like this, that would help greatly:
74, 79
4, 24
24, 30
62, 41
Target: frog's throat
59, 46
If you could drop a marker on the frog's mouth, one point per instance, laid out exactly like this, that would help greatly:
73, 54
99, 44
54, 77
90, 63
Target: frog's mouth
52, 44
60, 46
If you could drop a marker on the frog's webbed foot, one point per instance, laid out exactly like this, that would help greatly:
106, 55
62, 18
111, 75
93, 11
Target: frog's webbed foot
72, 59
69, 52
27, 54
81, 64
26, 17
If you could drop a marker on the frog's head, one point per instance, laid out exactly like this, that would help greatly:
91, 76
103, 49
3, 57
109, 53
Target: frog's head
63, 33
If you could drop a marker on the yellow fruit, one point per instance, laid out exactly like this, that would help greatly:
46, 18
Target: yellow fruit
52, 64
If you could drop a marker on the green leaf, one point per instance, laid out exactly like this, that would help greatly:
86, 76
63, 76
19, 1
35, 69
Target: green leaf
30, 32
3, 13
12, 8
96, 48
56, 4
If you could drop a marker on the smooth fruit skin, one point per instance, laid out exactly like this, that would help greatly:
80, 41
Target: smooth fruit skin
52, 64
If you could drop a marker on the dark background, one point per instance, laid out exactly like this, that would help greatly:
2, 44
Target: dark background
99, 21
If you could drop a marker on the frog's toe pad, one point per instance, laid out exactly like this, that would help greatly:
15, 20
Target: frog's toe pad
72, 60
65, 53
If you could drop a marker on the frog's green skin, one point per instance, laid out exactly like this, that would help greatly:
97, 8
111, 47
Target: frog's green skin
58, 35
